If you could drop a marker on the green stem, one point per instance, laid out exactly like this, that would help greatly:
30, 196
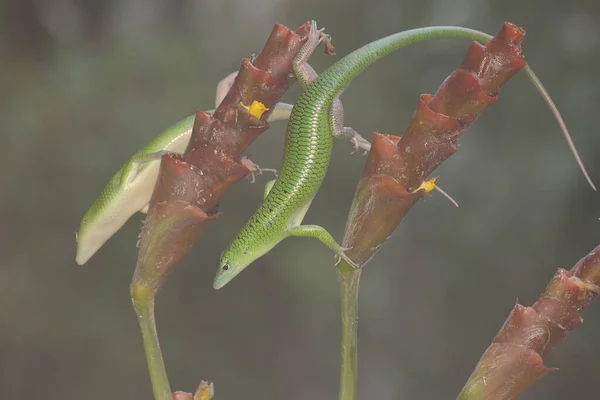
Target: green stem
144, 309
349, 279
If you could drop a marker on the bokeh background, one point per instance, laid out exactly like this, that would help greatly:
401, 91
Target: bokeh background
84, 84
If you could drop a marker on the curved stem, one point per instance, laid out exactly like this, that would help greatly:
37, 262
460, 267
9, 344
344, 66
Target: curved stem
349, 279
143, 305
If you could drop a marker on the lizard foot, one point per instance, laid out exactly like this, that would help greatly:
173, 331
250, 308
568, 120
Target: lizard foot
342, 256
348, 133
314, 39
254, 168
360, 142
321, 37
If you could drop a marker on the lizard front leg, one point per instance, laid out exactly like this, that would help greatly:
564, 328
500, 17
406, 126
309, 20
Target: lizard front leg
253, 167
306, 74
133, 166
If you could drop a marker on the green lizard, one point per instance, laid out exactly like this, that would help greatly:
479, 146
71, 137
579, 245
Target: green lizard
130, 189
308, 148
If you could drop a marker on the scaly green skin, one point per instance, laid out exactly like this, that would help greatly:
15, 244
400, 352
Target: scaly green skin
129, 190
308, 152
123, 196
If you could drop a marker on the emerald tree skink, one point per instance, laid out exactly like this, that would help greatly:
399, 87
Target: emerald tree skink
308, 149
130, 189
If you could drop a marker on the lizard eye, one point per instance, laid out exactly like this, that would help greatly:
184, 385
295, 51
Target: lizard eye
225, 266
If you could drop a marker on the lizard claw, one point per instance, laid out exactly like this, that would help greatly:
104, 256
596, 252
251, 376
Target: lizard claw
315, 34
354, 142
273, 170
314, 38
322, 35
252, 167
322, 38
360, 143
342, 256
326, 38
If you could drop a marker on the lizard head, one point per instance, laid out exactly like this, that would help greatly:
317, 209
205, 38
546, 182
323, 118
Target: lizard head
233, 261
109, 212
105, 217
86, 238
236, 258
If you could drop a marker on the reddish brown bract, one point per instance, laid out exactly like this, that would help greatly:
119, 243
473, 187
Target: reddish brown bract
189, 188
513, 362
398, 166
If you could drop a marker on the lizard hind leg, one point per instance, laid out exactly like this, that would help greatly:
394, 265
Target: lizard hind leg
133, 167
324, 237
339, 131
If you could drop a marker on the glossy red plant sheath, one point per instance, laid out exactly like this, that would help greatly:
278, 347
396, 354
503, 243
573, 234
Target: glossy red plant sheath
190, 187
396, 167
513, 362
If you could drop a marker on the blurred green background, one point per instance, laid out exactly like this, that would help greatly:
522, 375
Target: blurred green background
84, 84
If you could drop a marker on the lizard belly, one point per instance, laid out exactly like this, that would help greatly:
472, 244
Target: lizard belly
129, 200
116, 213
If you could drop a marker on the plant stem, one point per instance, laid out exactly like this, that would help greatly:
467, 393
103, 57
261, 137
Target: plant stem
349, 279
143, 305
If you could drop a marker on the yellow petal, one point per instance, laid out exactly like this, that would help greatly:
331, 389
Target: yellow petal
427, 185
256, 109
